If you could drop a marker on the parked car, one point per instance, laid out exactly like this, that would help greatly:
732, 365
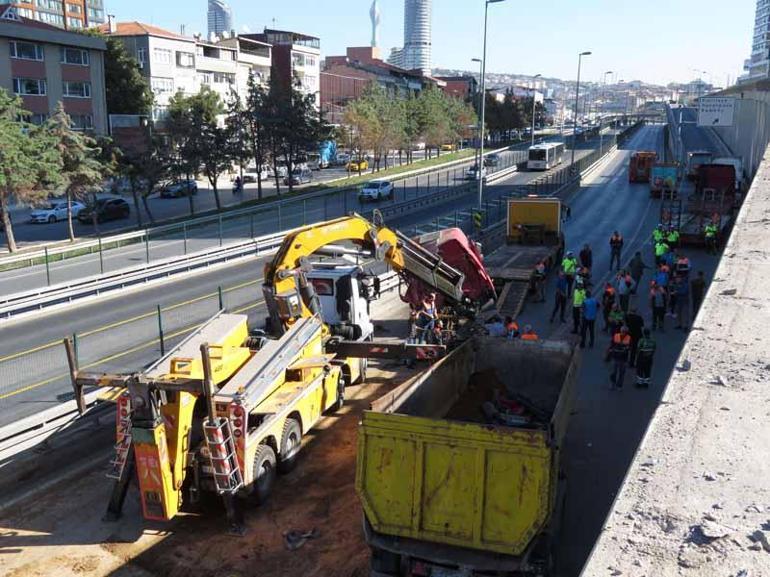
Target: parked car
252, 176
55, 211
179, 189
106, 209
419, 146
448, 147
280, 171
357, 165
492, 160
299, 176
376, 190
342, 159
473, 173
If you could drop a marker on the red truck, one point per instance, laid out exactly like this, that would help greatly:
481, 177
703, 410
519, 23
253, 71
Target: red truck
640, 165
714, 201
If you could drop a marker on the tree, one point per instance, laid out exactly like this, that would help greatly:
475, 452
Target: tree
145, 169
127, 89
255, 112
29, 161
83, 167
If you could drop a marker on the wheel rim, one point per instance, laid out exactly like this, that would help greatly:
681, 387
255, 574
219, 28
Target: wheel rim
291, 445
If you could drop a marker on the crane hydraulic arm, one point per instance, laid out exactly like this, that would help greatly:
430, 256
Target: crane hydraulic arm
290, 296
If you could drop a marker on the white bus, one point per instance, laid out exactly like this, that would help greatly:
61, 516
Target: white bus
545, 156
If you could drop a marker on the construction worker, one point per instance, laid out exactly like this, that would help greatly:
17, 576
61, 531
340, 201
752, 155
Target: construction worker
710, 233
578, 298
658, 304
608, 301
682, 265
495, 327
621, 344
616, 248
587, 257
426, 318
672, 238
661, 248
569, 266
658, 235
682, 293
644, 356
635, 324
624, 284
560, 298
697, 290
662, 275
539, 279
590, 311
615, 320
512, 328
636, 268
529, 334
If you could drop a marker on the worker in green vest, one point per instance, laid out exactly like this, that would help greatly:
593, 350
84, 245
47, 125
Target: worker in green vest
578, 298
661, 249
672, 238
710, 232
658, 235
569, 266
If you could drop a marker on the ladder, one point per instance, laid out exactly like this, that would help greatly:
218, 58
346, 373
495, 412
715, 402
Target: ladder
123, 436
219, 440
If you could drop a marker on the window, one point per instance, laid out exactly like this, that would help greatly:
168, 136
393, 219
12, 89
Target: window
205, 78
74, 22
310, 61
141, 56
162, 85
77, 89
26, 50
185, 59
224, 77
36, 119
29, 87
82, 122
24, 12
52, 5
55, 19
74, 56
161, 55
74, 8
159, 113
95, 15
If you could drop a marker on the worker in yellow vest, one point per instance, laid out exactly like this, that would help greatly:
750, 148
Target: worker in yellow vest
569, 266
710, 232
578, 298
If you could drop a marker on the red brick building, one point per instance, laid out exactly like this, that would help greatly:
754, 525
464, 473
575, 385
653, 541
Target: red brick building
463, 87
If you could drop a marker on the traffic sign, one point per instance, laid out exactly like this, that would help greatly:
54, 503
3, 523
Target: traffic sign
715, 111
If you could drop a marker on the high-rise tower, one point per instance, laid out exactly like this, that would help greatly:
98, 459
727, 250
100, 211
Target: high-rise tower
417, 35
375, 15
220, 17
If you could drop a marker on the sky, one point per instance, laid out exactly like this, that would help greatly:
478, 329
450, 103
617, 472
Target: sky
656, 41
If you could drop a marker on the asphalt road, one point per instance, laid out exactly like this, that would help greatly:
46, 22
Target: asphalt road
272, 218
695, 137
132, 344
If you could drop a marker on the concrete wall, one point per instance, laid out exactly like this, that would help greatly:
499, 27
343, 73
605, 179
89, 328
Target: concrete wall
750, 133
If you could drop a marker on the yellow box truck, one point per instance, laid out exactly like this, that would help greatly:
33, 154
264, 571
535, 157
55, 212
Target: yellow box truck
459, 468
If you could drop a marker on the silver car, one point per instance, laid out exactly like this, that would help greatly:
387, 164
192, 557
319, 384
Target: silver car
54, 212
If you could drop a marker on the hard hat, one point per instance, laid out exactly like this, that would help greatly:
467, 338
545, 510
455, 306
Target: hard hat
570, 253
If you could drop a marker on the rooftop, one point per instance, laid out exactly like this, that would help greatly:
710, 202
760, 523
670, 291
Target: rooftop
139, 29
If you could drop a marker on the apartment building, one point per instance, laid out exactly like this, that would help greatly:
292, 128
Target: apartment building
45, 65
173, 63
67, 14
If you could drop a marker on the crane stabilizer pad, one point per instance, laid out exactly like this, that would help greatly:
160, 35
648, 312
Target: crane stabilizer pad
375, 350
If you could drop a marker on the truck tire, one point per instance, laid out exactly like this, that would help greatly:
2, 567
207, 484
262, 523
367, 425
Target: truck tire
291, 438
385, 563
341, 391
264, 474
363, 364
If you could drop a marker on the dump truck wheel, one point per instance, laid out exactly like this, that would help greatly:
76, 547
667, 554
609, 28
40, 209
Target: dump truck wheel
385, 563
264, 473
341, 392
291, 438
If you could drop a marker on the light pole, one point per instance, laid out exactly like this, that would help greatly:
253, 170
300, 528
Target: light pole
534, 101
483, 99
577, 97
481, 103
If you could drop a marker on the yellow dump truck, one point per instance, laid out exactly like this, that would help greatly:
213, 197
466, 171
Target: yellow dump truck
459, 468
533, 235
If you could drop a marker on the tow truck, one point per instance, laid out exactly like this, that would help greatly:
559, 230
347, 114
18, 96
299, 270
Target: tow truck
226, 409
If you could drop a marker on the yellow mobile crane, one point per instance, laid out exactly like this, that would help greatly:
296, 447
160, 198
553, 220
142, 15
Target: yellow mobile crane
225, 412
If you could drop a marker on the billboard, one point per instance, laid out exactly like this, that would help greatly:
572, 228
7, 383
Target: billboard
663, 177
715, 111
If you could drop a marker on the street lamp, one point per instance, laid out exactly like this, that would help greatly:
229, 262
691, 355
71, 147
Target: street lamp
484, 97
577, 96
534, 101
481, 102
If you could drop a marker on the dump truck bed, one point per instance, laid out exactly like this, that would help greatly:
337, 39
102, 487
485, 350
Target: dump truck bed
438, 480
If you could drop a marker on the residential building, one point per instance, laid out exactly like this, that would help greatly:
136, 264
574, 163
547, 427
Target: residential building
758, 65
220, 17
344, 78
173, 63
296, 57
46, 65
67, 14
462, 87
416, 52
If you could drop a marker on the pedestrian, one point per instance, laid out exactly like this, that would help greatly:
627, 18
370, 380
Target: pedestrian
621, 344
697, 290
539, 279
590, 310
560, 298
658, 235
658, 304
496, 327
608, 301
529, 334
426, 319
662, 275
511, 328
682, 266
623, 285
682, 304
644, 356
661, 248
587, 257
569, 266
616, 319
672, 238
635, 324
637, 267
578, 297
710, 233
616, 249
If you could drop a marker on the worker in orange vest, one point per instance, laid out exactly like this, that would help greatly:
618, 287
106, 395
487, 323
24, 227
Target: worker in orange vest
511, 328
529, 334
619, 349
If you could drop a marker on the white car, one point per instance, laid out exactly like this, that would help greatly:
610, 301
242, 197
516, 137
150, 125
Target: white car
55, 211
376, 190
473, 173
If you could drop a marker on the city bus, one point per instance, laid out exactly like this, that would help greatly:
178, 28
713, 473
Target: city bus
545, 156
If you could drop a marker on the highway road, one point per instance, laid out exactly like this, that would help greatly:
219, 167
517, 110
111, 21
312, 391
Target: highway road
132, 344
696, 137
274, 217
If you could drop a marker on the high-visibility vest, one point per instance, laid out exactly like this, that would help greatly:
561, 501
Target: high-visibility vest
646, 345
578, 297
620, 339
673, 236
569, 265
711, 231
657, 235
661, 249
